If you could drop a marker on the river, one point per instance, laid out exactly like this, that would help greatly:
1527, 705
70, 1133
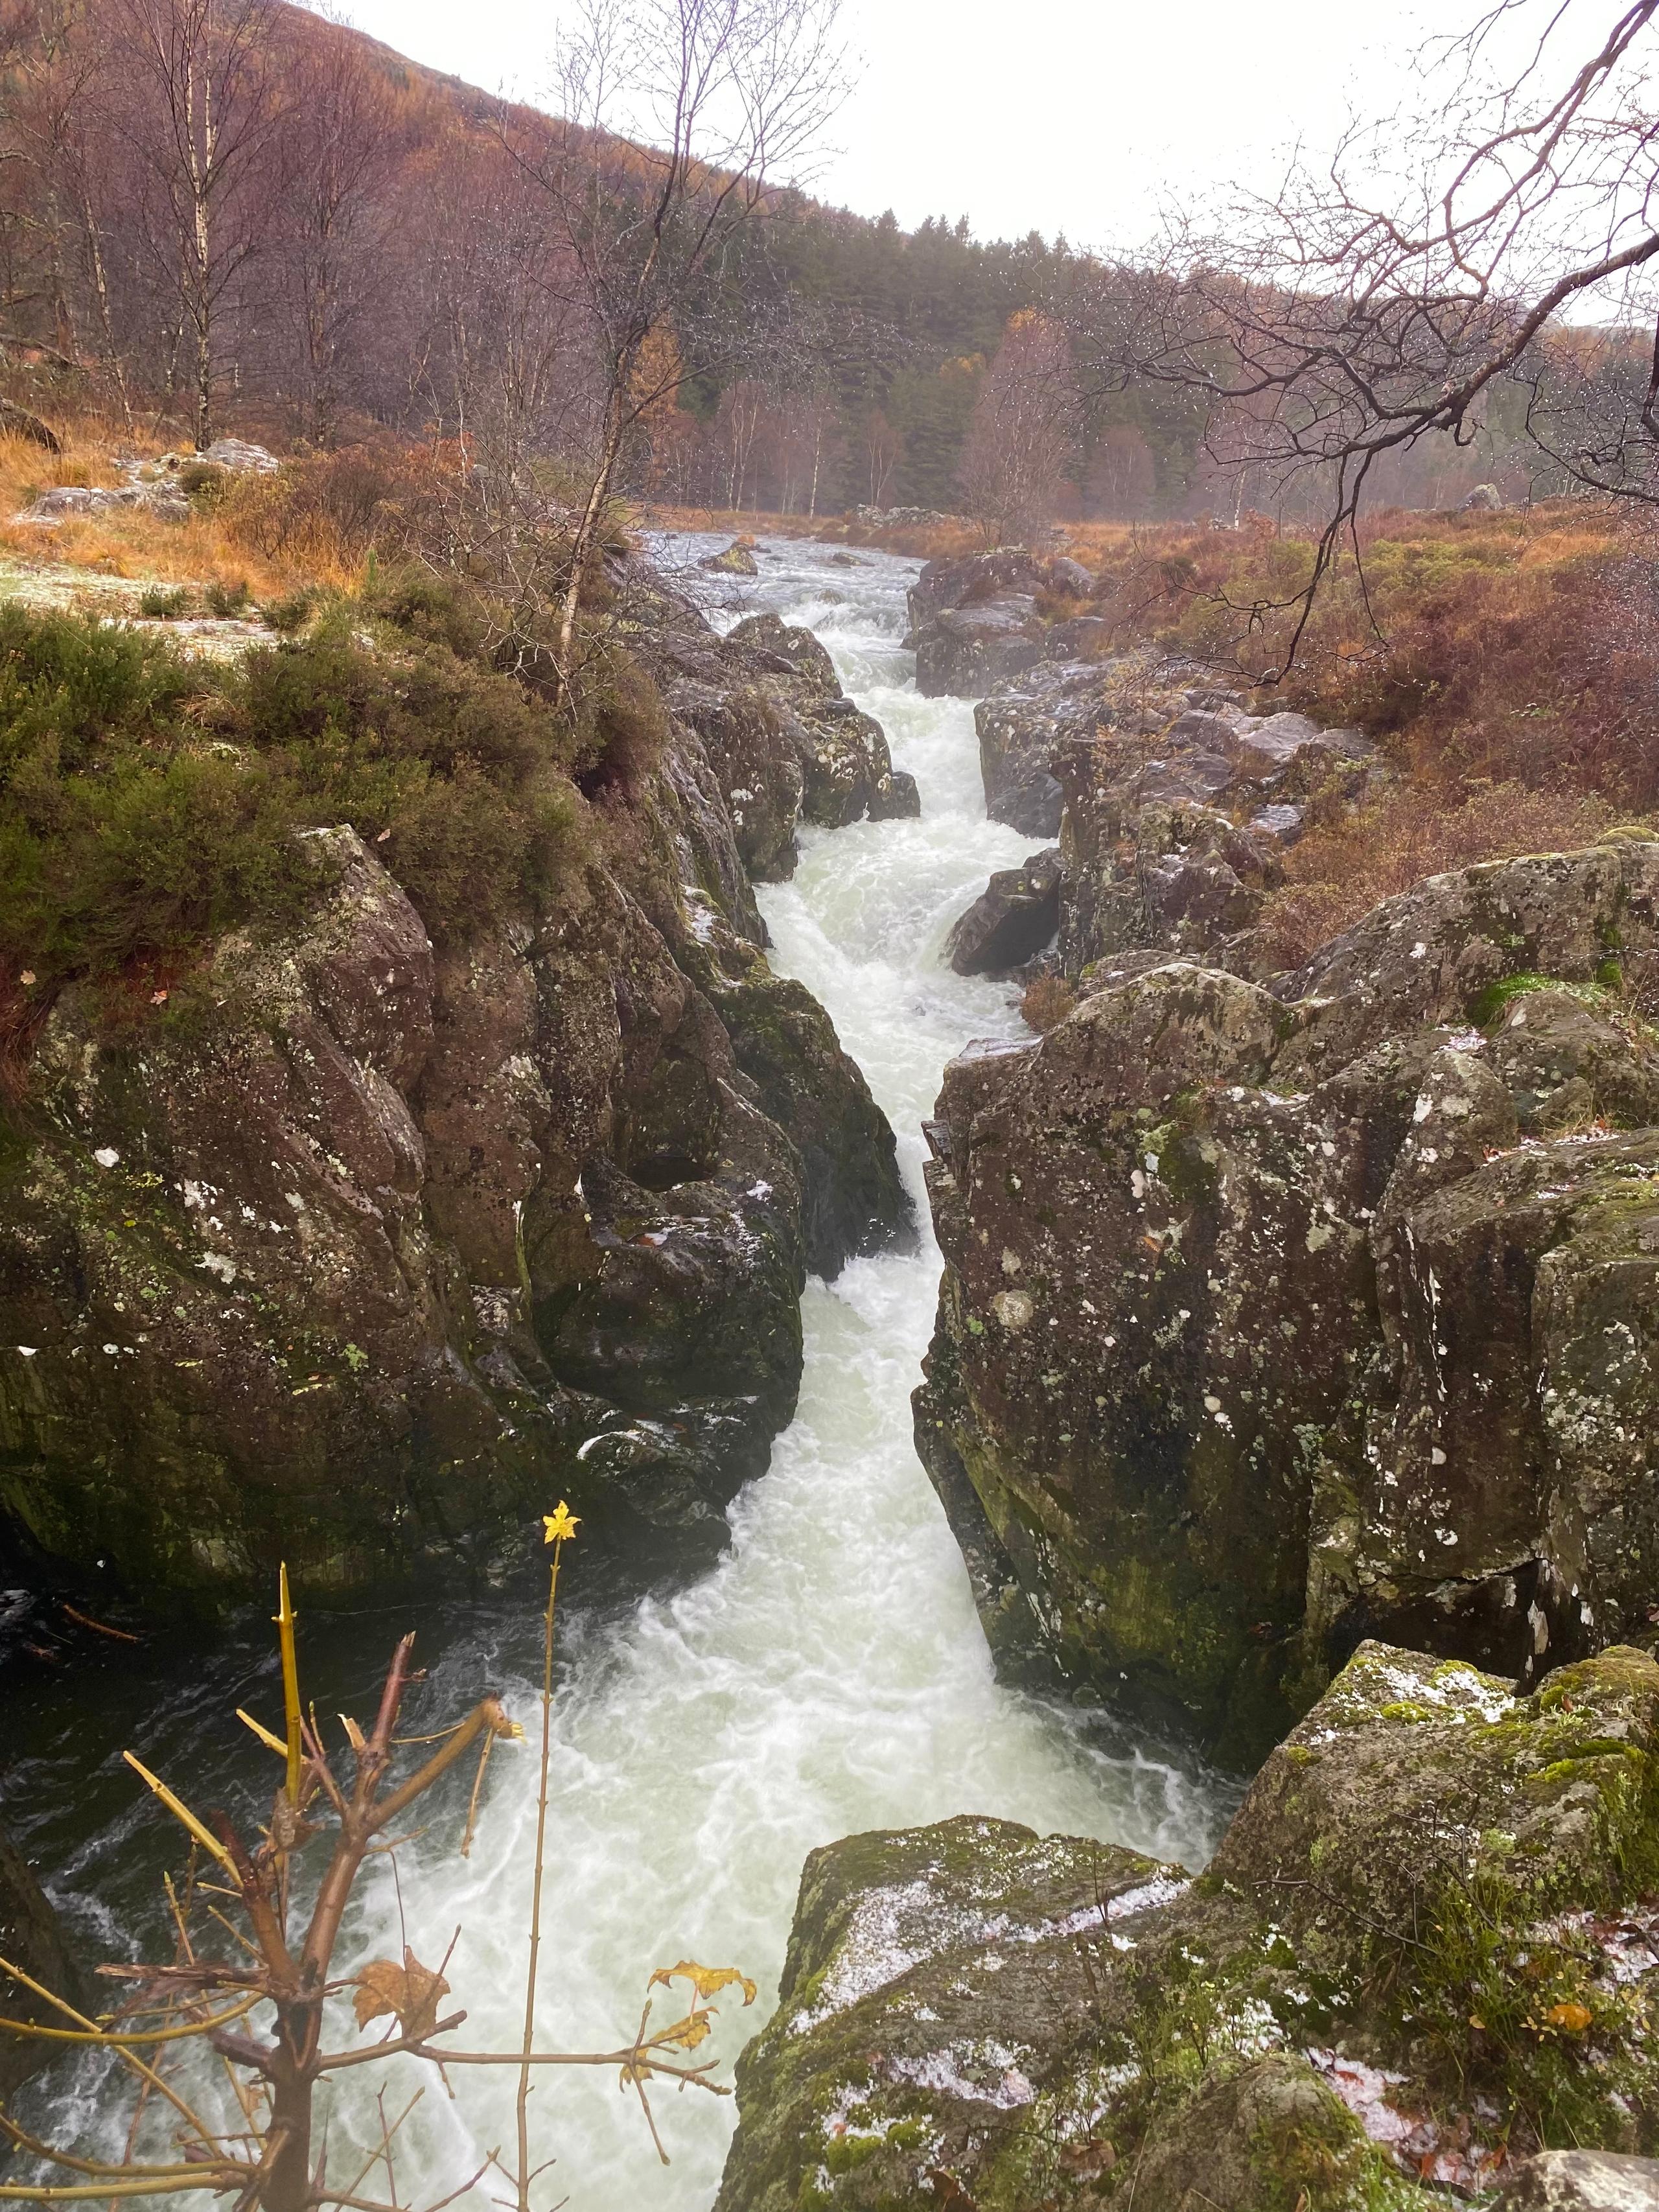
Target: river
828, 1676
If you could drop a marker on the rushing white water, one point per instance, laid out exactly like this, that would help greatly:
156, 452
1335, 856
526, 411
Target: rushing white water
830, 1674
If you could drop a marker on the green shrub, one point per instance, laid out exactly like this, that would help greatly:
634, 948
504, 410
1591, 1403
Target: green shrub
289, 615
147, 804
227, 600
163, 602
205, 482
427, 608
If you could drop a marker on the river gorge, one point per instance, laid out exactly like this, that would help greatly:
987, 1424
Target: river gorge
828, 1676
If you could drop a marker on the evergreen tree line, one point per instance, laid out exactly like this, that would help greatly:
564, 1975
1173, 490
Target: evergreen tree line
233, 214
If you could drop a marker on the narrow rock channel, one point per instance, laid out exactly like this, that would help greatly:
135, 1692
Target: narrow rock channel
830, 1676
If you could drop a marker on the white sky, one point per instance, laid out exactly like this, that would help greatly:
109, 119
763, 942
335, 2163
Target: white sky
1080, 115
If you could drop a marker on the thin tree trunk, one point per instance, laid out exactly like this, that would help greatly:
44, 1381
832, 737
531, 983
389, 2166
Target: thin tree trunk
105, 318
588, 531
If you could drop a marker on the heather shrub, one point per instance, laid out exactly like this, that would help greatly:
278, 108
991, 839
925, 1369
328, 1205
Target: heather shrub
147, 804
1340, 869
1048, 1000
228, 600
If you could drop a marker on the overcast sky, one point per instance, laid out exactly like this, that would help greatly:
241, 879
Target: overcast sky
1077, 116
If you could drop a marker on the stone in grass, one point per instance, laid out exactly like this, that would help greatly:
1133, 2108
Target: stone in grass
1421, 1945
1582, 2181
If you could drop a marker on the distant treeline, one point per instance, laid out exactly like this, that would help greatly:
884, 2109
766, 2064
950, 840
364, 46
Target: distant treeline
236, 215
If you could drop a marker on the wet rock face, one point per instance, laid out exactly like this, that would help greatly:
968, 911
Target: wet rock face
363, 1247
846, 770
31, 1938
1266, 1325
975, 622
1011, 919
783, 742
971, 2014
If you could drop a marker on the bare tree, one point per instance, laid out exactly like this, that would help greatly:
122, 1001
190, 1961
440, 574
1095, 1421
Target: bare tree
1023, 436
346, 136
282, 1980
680, 117
205, 104
1377, 303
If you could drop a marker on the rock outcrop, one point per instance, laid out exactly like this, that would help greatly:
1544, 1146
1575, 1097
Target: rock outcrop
975, 621
159, 487
785, 743
365, 1245
1178, 805
1426, 1947
32, 1939
1011, 919
1275, 1319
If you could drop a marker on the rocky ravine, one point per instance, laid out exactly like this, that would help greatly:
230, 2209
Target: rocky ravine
1272, 1320
1280, 1310
365, 1248
1426, 1944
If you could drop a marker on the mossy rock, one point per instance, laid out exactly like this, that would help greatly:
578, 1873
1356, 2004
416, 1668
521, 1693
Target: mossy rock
1425, 1949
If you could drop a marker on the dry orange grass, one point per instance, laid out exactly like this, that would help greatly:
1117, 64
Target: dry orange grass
310, 527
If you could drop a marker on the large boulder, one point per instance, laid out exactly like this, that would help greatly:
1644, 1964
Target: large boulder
1264, 1327
1582, 2181
1424, 1951
974, 621
736, 559
1011, 919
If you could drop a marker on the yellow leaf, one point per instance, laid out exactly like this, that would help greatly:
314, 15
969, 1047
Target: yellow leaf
561, 1524
707, 1981
1575, 2018
409, 1992
685, 2034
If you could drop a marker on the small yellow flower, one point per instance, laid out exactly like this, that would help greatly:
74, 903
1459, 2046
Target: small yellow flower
560, 1524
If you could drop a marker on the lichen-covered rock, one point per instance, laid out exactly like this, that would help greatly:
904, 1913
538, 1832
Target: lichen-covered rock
1028, 721
1582, 2181
31, 1938
1425, 1949
846, 770
361, 1245
935, 1980
974, 621
1177, 816
737, 559
1010, 920
1265, 1325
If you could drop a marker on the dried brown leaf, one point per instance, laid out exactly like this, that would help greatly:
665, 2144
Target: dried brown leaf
409, 1993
